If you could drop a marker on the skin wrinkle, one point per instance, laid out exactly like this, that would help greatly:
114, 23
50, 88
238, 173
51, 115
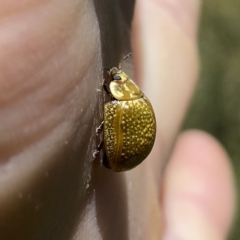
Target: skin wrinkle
32, 49
11, 7
36, 130
38, 79
12, 143
66, 115
37, 127
32, 180
47, 6
20, 160
53, 110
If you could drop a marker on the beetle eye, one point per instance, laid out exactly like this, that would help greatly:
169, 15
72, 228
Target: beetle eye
116, 77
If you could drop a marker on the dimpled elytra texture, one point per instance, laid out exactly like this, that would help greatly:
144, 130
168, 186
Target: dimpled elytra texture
129, 132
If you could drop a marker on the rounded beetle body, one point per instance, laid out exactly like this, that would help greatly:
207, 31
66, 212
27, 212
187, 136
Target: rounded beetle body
129, 124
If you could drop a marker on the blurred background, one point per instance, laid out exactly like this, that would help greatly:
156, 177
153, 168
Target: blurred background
216, 104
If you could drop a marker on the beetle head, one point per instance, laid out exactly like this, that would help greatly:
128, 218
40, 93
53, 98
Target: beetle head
122, 87
118, 75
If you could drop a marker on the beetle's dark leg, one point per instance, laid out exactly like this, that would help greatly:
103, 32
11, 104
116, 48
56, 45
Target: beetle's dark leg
105, 161
99, 147
100, 128
106, 88
105, 84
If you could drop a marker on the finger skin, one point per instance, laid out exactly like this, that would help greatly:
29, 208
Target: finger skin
199, 193
50, 70
50, 106
49, 109
167, 64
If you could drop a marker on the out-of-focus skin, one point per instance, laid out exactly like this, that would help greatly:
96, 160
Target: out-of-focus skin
51, 57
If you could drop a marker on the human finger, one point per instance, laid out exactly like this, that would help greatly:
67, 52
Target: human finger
50, 70
198, 190
166, 59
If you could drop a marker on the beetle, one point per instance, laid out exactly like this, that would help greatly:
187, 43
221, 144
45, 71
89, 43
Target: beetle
129, 126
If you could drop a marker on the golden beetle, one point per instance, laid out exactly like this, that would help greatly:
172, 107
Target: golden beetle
129, 126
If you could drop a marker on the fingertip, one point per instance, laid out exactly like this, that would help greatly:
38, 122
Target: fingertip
185, 12
166, 63
199, 190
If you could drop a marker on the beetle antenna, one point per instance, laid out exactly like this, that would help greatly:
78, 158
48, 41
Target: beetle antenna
126, 57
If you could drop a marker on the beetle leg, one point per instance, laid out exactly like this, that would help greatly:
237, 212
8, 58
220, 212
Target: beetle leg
105, 161
100, 128
106, 88
106, 74
99, 147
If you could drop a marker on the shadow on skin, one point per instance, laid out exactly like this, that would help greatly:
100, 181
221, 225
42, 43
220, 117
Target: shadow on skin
111, 204
114, 19
47, 208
